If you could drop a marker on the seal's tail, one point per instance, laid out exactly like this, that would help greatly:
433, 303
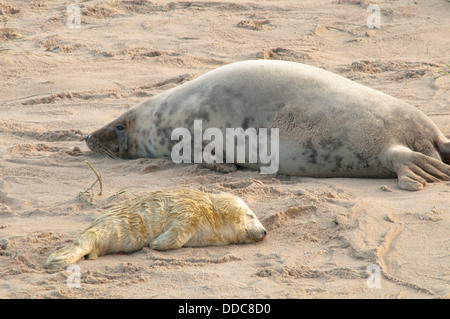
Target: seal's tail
83, 245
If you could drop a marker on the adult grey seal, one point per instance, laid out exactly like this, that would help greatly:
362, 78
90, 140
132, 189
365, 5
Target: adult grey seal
329, 126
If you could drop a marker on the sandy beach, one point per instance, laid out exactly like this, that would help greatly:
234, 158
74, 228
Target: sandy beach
327, 238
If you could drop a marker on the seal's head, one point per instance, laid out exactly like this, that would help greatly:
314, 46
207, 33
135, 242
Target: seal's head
239, 223
112, 139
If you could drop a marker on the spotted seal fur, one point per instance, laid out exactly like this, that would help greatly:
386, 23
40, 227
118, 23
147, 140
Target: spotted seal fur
167, 219
329, 126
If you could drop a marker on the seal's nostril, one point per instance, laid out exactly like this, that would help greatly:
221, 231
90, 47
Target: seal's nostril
265, 233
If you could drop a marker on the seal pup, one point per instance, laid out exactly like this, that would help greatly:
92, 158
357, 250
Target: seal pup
167, 219
329, 126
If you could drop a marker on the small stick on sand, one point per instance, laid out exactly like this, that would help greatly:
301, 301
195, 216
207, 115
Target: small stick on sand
99, 179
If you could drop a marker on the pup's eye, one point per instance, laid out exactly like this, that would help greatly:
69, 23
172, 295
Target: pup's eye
119, 127
250, 215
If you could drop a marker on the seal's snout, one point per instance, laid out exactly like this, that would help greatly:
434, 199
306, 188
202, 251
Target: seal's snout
263, 233
260, 235
257, 231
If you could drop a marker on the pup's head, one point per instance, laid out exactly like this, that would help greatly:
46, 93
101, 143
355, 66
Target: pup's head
239, 219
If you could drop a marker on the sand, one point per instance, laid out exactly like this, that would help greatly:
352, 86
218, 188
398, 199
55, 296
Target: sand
327, 238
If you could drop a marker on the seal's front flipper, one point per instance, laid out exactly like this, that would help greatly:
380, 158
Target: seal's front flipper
414, 169
211, 162
174, 238
221, 167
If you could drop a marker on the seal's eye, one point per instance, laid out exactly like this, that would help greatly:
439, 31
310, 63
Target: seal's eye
121, 137
251, 216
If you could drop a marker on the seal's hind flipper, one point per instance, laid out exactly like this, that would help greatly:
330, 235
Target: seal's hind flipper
443, 146
73, 252
415, 169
